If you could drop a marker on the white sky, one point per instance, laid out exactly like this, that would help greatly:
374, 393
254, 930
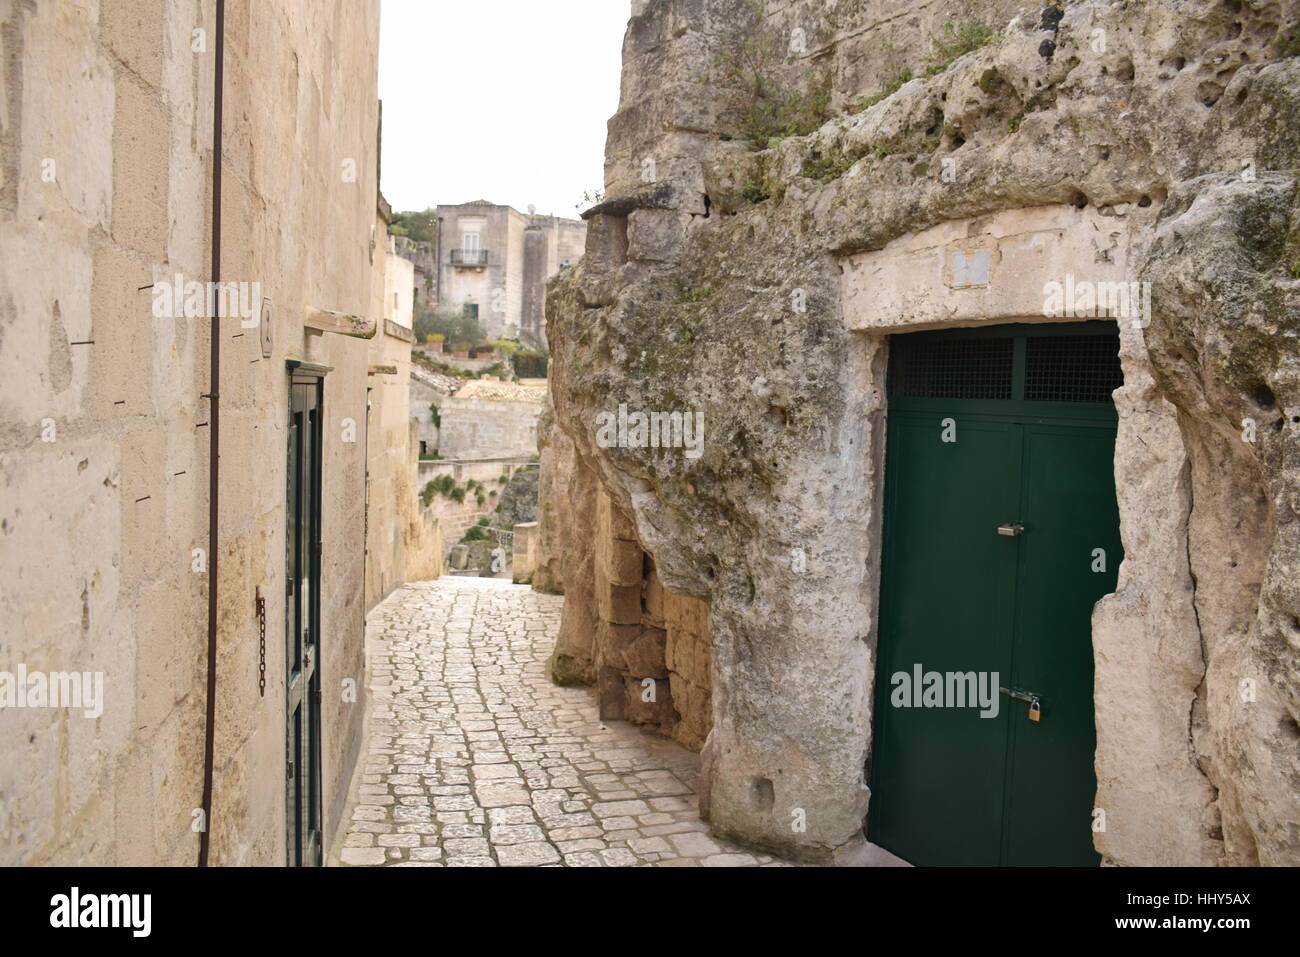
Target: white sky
504, 100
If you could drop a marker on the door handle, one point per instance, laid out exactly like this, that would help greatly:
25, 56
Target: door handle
1011, 529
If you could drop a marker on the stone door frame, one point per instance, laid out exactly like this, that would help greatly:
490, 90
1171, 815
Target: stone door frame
997, 270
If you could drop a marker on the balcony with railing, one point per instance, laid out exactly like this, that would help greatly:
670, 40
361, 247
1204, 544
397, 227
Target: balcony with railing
469, 257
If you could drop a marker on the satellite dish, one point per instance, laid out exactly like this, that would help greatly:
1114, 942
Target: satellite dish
532, 209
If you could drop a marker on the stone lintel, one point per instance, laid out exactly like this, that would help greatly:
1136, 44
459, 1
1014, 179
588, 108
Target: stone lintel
988, 268
326, 320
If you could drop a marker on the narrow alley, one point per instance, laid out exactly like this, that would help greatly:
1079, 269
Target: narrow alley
845, 435
474, 758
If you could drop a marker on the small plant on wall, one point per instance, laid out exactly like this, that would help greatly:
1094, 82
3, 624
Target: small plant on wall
759, 104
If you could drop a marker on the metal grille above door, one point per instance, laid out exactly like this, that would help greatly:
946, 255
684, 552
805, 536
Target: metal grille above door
1072, 368
1054, 369
924, 367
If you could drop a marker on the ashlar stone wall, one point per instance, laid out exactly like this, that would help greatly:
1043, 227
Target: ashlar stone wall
646, 650
403, 539
105, 171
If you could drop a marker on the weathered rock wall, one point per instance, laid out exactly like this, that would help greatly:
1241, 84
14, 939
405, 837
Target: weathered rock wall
646, 650
556, 509
620, 626
517, 502
568, 492
1225, 269
714, 280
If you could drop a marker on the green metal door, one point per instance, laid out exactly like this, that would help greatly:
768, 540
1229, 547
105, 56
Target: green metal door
1001, 532
302, 631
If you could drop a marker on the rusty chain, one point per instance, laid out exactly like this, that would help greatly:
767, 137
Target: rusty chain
261, 643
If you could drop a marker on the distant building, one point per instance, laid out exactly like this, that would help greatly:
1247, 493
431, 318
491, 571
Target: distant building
420, 256
490, 419
493, 263
400, 288
427, 391
401, 537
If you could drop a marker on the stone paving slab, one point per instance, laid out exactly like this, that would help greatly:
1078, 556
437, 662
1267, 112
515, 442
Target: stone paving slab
475, 759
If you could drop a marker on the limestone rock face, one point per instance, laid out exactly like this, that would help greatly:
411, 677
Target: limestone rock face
1224, 345
518, 503
712, 284
554, 477
1143, 700
567, 493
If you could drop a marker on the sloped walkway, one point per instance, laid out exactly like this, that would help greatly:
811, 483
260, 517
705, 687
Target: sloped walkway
474, 758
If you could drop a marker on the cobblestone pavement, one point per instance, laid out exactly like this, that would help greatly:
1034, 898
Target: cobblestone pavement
476, 759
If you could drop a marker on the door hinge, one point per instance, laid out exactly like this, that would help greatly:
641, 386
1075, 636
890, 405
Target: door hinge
315, 547
288, 585
288, 770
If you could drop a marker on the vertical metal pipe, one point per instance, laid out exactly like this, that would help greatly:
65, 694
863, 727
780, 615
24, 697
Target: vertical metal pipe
437, 264
214, 440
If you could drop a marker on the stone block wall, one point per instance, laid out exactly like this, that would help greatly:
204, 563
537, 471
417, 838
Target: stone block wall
403, 542
453, 518
107, 160
482, 428
423, 398
524, 554
649, 652
688, 659
420, 255
423, 558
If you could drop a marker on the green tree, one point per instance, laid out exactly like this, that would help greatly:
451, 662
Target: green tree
452, 324
420, 226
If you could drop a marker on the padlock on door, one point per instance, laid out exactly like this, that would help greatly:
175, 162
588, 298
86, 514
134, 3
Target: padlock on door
1035, 710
